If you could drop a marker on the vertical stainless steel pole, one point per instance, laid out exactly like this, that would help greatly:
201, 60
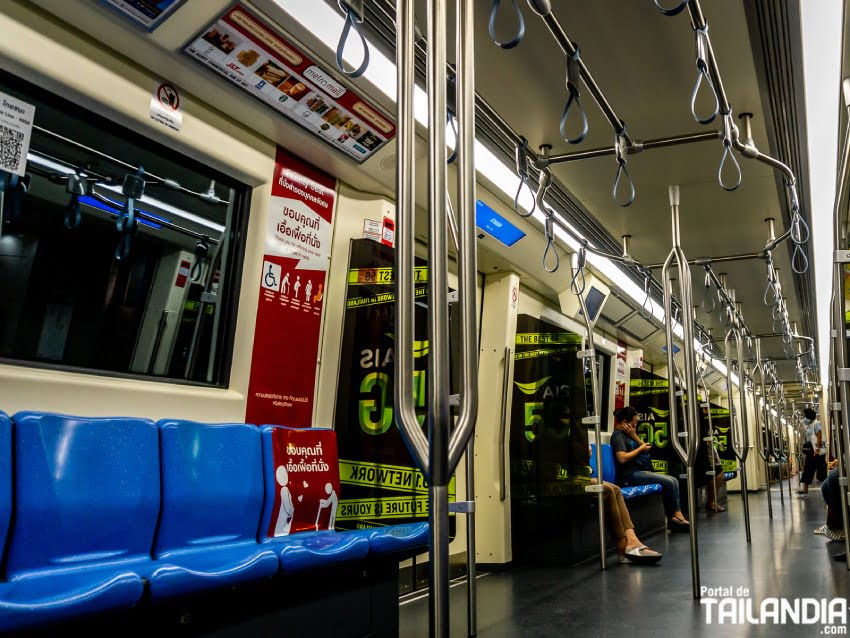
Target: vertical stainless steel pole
762, 416
745, 427
593, 418
788, 451
471, 567
839, 330
465, 48
691, 415
439, 416
740, 437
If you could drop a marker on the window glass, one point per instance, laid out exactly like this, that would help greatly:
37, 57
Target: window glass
89, 282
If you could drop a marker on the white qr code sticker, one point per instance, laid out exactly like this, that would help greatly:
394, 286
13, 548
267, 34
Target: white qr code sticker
16, 120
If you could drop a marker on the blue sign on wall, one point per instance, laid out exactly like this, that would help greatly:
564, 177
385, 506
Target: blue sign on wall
495, 225
148, 14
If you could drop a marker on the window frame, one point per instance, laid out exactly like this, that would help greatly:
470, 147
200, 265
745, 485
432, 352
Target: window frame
230, 286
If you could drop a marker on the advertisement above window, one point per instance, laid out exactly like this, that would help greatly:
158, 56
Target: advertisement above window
255, 56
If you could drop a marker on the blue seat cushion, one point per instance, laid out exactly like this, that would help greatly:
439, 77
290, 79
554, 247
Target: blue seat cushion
5, 477
59, 595
309, 550
188, 571
397, 538
640, 490
609, 472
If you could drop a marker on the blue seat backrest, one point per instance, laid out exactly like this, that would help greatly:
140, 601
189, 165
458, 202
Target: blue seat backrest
5, 477
609, 472
86, 490
212, 484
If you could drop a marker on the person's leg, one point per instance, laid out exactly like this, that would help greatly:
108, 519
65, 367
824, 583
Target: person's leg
832, 497
713, 491
821, 468
669, 490
612, 514
625, 517
808, 474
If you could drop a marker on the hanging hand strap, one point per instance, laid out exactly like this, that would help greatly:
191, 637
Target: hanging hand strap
452, 124
622, 170
573, 78
76, 185
133, 188
673, 10
647, 302
702, 74
728, 155
578, 276
522, 172
520, 32
353, 20
707, 296
548, 232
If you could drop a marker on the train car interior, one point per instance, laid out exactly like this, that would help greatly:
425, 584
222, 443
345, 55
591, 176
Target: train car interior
424, 317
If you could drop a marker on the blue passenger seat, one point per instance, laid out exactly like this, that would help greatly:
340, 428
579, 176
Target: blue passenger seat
86, 500
5, 478
212, 497
609, 473
397, 538
303, 550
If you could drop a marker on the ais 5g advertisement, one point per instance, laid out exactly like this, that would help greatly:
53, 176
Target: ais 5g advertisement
382, 486
548, 442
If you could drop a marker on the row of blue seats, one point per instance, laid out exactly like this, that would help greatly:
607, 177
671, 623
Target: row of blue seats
97, 513
609, 473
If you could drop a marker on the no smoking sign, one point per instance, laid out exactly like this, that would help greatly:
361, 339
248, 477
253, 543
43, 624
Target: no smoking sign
165, 106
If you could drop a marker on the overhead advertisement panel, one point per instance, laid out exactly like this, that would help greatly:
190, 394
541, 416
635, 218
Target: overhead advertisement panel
257, 57
148, 14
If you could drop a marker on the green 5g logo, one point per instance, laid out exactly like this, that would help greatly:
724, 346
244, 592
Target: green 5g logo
721, 442
532, 419
655, 434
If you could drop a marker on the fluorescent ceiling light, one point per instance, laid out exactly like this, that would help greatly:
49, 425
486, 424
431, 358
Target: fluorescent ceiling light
821, 32
150, 201
325, 22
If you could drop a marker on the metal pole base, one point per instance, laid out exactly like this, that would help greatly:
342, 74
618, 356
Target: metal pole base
745, 497
438, 546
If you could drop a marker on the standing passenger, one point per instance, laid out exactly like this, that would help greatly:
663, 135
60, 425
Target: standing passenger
634, 465
816, 460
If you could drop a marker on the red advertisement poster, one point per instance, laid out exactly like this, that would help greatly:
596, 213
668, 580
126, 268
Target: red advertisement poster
306, 476
292, 284
620, 377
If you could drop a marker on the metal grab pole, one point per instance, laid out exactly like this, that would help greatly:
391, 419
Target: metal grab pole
691, 416
471, 567
839, 330
740, 442
593, 417
780, 413
437, 455
786, 446
709, 440
762, 415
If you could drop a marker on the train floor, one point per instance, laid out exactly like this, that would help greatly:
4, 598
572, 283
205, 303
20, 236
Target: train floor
785, 560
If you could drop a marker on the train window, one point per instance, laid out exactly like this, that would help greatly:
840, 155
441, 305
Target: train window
118, 256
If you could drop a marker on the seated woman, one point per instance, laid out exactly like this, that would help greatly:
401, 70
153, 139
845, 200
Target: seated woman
634, 466
629, 547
